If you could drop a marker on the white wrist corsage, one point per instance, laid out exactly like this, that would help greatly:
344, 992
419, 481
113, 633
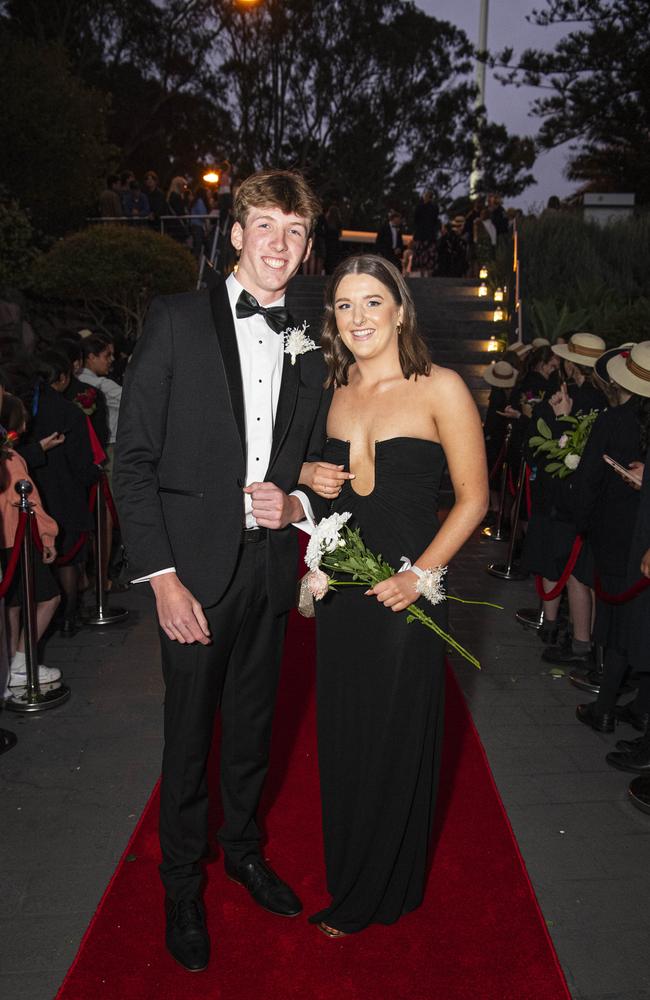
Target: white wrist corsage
429, 583
296, 342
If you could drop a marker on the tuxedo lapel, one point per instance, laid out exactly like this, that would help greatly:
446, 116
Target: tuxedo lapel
225, 327
286, 404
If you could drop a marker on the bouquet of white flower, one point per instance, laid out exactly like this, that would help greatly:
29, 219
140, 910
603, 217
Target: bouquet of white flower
336, 547
566, 451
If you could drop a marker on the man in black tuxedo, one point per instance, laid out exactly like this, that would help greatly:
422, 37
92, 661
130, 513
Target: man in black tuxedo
389, 242
215, 423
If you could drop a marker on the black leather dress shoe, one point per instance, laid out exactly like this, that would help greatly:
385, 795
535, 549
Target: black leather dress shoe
187, 938
586, 680
266, 888
639, 792
626, 713
636, 761
602, 722
564, 656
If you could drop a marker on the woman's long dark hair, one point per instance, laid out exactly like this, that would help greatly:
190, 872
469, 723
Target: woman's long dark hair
414, 355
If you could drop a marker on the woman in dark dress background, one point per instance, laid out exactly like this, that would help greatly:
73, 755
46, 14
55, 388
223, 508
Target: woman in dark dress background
394, 420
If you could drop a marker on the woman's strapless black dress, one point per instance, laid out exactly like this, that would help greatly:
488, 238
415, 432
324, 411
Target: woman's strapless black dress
380, 702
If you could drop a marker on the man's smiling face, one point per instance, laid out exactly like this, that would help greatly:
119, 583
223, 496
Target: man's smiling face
272, 247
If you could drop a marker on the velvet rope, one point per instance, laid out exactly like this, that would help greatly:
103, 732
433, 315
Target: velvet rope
550, 595
625, 596
72, 552
15, 554
498, 465
38, 541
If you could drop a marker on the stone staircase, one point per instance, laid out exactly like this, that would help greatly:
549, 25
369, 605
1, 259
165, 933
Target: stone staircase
454, 321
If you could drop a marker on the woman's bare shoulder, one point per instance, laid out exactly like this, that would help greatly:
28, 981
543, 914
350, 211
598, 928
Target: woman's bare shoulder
443, 382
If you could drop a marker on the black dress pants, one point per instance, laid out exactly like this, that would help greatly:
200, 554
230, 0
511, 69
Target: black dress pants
239, 671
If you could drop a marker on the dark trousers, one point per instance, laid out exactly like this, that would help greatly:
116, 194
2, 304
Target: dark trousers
239, 672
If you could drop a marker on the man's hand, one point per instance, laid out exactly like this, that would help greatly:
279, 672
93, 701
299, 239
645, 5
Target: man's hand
397, 592
272, 508
179, 613
645, 564
49, 554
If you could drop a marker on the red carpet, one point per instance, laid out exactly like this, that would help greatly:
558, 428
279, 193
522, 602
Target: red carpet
478, 936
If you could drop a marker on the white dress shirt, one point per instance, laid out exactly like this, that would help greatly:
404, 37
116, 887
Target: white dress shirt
113, 393
261, 357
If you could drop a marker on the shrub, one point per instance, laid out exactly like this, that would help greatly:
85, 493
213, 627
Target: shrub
17, 250
115, 267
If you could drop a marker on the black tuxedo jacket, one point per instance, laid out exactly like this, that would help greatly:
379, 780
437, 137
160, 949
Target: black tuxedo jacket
384, 244
180, 458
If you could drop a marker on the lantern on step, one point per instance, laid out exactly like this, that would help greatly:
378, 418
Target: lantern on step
483, 273
493, 344
499, 315
482, 290
498, 295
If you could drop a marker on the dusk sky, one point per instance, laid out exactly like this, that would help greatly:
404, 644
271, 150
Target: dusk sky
508, 27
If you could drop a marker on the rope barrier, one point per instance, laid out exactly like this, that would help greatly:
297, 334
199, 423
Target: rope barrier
625, 596
496, 468
550, 595
14, 557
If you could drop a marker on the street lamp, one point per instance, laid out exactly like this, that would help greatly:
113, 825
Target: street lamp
475, 177
211, 177
247, 4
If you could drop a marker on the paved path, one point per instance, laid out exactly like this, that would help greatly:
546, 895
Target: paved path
74, 787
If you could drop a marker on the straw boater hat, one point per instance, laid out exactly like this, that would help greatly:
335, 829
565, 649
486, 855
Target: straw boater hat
582, 349
631, 369
540, 342
520, 349
501, 374
85, 333
601, 364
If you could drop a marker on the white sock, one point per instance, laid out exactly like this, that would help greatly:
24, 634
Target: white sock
18, 663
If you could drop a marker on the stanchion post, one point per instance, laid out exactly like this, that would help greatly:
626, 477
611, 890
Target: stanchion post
497, 533
31, 698
506, 571
102, 615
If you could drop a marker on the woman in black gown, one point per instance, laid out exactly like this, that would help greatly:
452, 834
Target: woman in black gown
394, 420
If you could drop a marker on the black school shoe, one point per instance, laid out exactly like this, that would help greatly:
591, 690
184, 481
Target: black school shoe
601, 722
636, 760
186, 937
563, 655
266, 888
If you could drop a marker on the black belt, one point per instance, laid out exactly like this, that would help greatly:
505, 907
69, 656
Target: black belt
254, 535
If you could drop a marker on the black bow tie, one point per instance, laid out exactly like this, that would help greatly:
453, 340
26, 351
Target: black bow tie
277, 317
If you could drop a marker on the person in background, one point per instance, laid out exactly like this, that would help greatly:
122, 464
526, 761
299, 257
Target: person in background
177, 201
226, 192
13, 417
452, 250
157, 202
64, 481
425, 234
98, 357
8, 739
389, 242
498, 215
135, 202
110, 205
198, 211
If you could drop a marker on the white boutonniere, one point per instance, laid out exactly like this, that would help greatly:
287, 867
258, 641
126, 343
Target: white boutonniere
297, 342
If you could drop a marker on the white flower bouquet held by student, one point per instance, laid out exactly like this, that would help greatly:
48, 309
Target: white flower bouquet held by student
336, 547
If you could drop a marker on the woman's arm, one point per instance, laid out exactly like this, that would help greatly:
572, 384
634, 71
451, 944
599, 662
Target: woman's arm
460, 433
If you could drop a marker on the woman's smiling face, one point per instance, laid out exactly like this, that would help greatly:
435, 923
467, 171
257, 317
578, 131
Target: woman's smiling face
367, 316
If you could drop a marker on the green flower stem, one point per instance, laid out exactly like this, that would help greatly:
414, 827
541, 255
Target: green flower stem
415, 612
